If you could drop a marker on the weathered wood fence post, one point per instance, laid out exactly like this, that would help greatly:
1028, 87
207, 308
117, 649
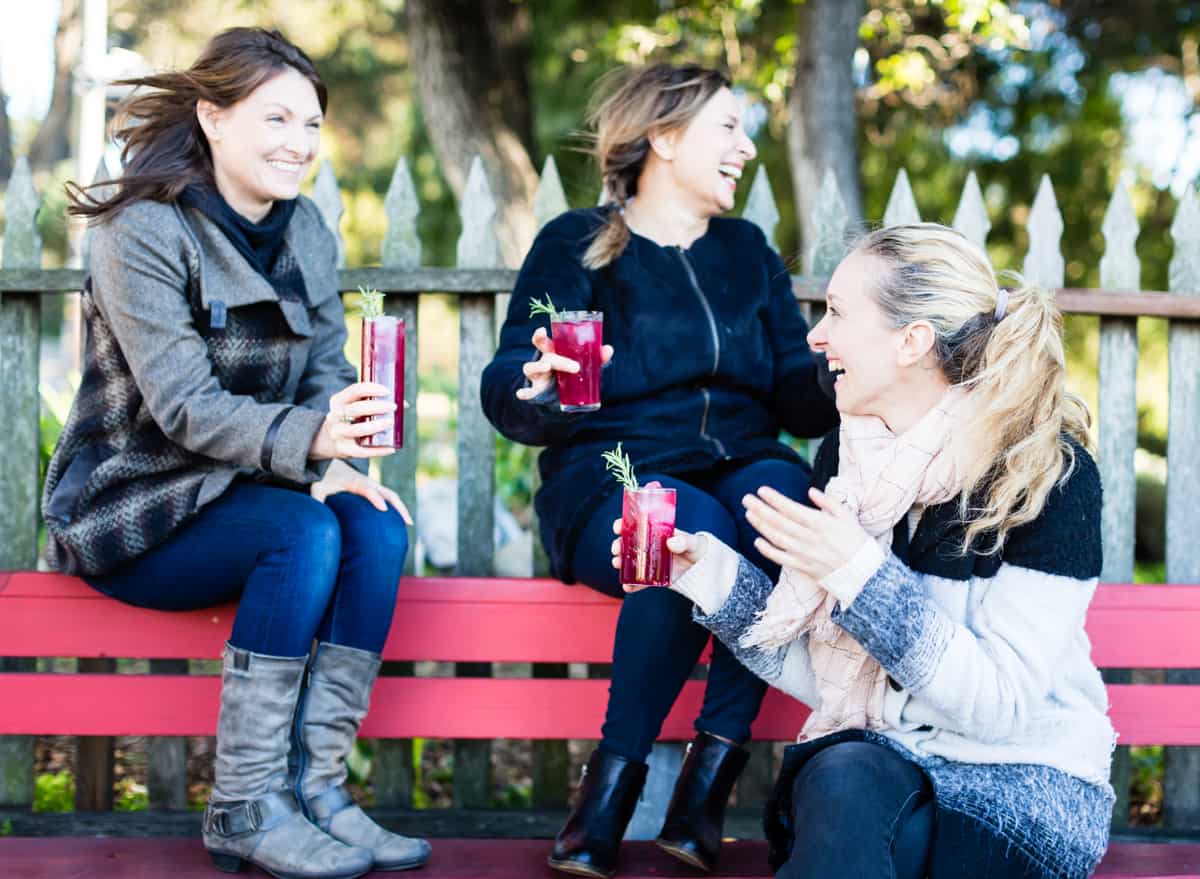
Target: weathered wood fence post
393, 774
478, 248
1119, 271
1181, 787
20, 315
551, 759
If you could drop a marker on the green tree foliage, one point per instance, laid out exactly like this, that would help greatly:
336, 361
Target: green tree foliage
1011, 90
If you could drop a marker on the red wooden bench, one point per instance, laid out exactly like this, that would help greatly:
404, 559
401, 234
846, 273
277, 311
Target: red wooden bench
481, 620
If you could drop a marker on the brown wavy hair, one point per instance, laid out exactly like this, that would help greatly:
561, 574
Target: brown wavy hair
164, 149
642, 102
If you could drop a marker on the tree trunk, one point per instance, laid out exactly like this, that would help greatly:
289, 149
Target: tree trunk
52, 143
471, 60
823, 130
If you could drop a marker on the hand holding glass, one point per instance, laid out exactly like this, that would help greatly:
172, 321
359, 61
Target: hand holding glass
382, 360
573, 358
647, 521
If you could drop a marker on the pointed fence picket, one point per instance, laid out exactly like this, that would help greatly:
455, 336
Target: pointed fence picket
478, 279
551, 759
1117, 429
20, 317
392, 774
1181, 786
901, 207
971, 218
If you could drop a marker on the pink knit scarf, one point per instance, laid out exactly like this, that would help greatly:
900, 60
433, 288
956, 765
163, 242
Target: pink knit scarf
881, 476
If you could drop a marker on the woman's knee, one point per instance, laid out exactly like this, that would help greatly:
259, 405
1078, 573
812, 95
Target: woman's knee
378, 538
311, 534
846, 774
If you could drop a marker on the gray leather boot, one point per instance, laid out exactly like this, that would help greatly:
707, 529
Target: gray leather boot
331, 709
253, 814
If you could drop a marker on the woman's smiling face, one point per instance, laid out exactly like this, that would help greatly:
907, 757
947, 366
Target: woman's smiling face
710, 154
263, 145
855, 337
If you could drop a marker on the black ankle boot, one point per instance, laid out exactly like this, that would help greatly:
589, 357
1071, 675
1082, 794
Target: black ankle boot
588, 843
696, 816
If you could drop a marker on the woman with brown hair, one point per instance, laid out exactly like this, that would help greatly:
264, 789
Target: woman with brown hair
205, 456
934, 589
709, 365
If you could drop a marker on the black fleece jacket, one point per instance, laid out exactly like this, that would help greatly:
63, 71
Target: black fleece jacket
710, 362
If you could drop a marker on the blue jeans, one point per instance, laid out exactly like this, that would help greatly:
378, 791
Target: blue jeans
860, 809
301, 569
657, 644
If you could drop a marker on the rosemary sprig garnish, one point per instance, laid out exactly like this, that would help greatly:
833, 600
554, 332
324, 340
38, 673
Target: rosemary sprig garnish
372, 302
547, 308
618, 463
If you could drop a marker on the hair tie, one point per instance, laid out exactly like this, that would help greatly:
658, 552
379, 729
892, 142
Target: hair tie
1001, 305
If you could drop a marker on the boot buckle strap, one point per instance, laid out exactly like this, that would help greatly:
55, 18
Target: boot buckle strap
245, 817
328, 803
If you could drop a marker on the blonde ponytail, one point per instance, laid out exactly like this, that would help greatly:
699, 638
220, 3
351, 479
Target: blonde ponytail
1006, 348
1023, 414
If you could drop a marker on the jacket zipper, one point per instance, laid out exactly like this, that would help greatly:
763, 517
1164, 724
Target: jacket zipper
712, 327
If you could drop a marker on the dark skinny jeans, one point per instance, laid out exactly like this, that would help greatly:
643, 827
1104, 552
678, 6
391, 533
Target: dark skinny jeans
860, 809
299, 568
657, 644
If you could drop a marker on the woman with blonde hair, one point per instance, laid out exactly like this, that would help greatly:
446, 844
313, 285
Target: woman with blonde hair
710, 364
932, 598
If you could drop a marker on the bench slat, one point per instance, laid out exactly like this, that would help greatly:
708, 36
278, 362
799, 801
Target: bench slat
519, 708
447, 619
505, 620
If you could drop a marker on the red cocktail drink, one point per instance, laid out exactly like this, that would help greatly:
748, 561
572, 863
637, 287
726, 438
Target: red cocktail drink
647, 520
579, 335
383, 363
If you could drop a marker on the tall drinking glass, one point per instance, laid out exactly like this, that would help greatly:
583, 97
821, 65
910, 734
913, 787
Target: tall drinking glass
383, 363
647, 520
579, 336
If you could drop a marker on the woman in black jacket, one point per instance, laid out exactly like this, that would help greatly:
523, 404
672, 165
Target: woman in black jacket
711, 362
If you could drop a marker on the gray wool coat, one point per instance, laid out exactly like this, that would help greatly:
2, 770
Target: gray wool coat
195, 371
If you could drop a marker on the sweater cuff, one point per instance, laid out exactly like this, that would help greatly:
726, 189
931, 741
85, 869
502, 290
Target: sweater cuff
293, 440
848, 581
896, 623
708, 582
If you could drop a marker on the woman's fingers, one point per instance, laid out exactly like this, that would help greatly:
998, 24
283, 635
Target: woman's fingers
771, 523
394, 499
562, 364
777, 555
354, 430
340, 401
542, 341
547, 363
685, 544
606, 354
784, 504
365, 407
616, 526
829, 505
372, 493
